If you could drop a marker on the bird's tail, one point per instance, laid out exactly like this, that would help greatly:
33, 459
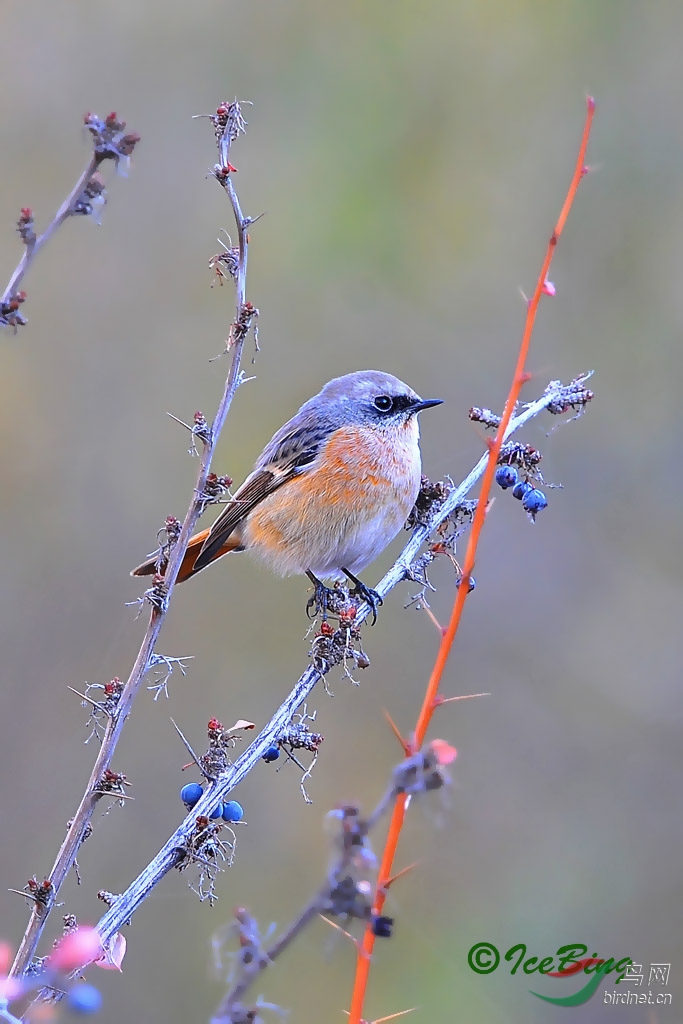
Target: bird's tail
187, 567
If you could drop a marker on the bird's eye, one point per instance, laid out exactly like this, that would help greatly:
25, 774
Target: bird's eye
384, 403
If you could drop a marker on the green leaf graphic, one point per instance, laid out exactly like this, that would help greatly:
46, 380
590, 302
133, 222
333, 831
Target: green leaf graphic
582, 996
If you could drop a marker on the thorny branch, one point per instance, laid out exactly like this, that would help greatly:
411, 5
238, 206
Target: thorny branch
110, 142
347, 892
229, 124
575, 397
175, 849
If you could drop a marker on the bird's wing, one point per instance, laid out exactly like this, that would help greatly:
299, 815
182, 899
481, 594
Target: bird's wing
287, 455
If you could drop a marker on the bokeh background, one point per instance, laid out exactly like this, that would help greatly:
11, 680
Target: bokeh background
411, 159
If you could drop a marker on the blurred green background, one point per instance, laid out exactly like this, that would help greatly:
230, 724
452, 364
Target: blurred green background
412, 159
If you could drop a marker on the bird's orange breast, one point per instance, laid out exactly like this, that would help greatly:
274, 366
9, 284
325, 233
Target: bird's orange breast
354, 496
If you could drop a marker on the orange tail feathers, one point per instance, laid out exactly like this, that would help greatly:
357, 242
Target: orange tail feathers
187, 568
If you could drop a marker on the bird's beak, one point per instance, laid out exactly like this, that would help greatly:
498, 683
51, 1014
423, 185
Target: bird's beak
426, 403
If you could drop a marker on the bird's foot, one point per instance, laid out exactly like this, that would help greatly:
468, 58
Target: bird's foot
323, 599
366, 594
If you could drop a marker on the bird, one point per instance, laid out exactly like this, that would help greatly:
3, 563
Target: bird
331, 489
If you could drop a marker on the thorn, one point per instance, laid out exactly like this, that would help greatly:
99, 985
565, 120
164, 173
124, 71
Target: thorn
548, 288
22, 892
590, 104
393, 1016
396, 732
382, 1020
252, 220
347, 935
94, 703
191, 752
117, 796
441, 630
181, 422
399, 874
465, 696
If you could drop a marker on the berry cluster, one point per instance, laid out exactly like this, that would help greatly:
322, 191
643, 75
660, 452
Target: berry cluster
230, 811
533, 500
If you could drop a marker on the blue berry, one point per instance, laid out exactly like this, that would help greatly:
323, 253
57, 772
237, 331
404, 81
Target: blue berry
471, 583
534, 501
272, 753
506, 476
216, 812
520, 489
232, 811
191, 793
382, 926
84, 999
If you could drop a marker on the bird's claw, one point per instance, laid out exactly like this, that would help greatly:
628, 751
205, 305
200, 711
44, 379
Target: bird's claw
332, 599
364, 593
320, 601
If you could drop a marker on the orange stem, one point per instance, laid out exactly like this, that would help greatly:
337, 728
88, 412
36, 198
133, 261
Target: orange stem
430, 702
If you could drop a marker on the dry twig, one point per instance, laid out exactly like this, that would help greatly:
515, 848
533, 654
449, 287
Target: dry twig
230, 122
110, 142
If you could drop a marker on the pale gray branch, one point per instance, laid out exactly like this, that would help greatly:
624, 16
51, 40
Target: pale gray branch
69, 849
61, 215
